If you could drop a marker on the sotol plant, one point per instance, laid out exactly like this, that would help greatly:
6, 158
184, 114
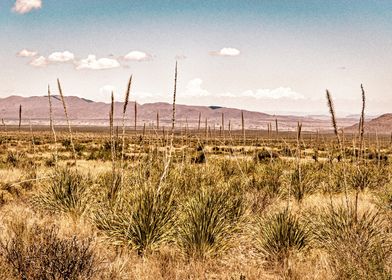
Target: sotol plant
357, 243
281, 234
143, 223
211, 221
65, 193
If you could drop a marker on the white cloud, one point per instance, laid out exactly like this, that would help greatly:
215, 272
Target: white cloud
92, 63
39, 62
137, 56
26, 53
278, 93
65, 56
25, 6
193, 88
227, 52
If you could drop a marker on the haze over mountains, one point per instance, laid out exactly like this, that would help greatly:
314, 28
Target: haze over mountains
90, 113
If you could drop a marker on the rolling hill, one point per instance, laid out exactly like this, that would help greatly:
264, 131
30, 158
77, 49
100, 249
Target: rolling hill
381, 125
86, 112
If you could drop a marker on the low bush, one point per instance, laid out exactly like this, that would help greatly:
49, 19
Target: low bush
40, 253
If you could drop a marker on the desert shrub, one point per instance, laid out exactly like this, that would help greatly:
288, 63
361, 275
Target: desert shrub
2, 199
65, 193
29, 179
288, 151
40, 253
357, 243
190, 177
229, 168
258, 201
265, 155
99, 154
377, 156
315, 155
336, 178
15, 158
66, 143
281, 234
367, 175
302, 182
13, 189
268, 178
50, 161
211, 219
200, 156
384, 198
79, 148
142, 223
104, 151
110, 183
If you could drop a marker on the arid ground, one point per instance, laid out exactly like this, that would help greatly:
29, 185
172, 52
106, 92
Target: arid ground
215, 205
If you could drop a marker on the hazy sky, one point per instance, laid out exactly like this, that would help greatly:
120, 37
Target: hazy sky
271, 56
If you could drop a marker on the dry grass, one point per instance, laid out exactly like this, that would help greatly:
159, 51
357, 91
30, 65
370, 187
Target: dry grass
252, 208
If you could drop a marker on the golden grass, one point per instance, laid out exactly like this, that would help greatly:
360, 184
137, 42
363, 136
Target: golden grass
230, 165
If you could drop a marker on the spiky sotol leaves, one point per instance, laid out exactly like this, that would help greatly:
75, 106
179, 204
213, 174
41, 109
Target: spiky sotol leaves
357, 242
66, 193
210, 223
143, 223
281, 234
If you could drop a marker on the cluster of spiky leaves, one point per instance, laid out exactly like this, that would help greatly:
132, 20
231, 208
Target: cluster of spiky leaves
142, 222
281, 234
356, 241
212, 218
66, 192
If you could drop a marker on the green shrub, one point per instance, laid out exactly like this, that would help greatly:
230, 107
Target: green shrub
142, 223
281, 234
15, 159
302, 182
357, 244
65, 193
367, 175
211, 220
265, 155
268, 177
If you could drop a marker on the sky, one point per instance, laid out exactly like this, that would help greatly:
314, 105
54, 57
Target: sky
276, 56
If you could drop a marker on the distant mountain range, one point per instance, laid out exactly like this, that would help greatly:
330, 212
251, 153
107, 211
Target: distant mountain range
86, 112
381, 125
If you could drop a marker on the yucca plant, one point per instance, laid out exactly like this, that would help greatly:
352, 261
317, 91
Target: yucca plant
268, 178
15, 158
302, 182
65, 193
142, 223
281, 234
357, 243
368, 176
210, 224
